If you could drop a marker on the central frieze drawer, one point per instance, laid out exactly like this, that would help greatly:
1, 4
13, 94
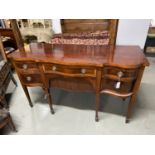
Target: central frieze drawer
54, 68
31, 78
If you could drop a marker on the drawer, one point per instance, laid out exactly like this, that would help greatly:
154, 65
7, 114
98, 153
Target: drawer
26, 65
124, 73
31, 78
125, 87
72, 70
118, 79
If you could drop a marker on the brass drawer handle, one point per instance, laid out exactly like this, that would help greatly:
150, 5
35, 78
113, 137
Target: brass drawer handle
28, 78
83, 70
54, 68
25, 66
120, 74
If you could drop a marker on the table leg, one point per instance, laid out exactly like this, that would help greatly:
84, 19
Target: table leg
133, 97
97, 105
130, 107
98, 85
13, 80
27, 95
47, 90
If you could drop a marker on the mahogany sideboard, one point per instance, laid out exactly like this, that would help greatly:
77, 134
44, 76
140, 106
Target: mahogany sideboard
100, 69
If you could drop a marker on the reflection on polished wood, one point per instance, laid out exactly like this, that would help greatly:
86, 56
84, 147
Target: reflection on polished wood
124, 56
81, 68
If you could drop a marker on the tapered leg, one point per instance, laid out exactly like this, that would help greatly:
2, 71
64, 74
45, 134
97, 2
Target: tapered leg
12, 124
49, 99
13, 80
45, 94
27, 95
98, 85
97, 106
130, 107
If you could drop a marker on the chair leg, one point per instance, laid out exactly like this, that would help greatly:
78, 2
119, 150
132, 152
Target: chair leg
4, 103
130, 107
97, 106
12, 124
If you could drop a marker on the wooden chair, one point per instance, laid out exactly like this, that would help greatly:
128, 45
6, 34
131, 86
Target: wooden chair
11, 39
87, 32
121, 82
8, 41
6, 119
5, 76
87, 25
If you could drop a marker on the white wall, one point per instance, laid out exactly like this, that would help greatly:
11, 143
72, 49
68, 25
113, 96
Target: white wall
130, 31
56, 25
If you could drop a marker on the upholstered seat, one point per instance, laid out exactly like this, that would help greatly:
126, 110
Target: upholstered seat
86, 35
82, 38
80, 41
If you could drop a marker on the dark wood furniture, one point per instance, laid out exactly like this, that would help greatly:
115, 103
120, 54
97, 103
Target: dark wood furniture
5, 78
11, 39
5, 69
6, 119
122, 82
81, 68
17, 34
115, 70
5, 75
87, 25
8, 40
149, 48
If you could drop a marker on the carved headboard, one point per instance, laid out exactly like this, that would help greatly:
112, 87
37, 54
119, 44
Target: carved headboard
85, 25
